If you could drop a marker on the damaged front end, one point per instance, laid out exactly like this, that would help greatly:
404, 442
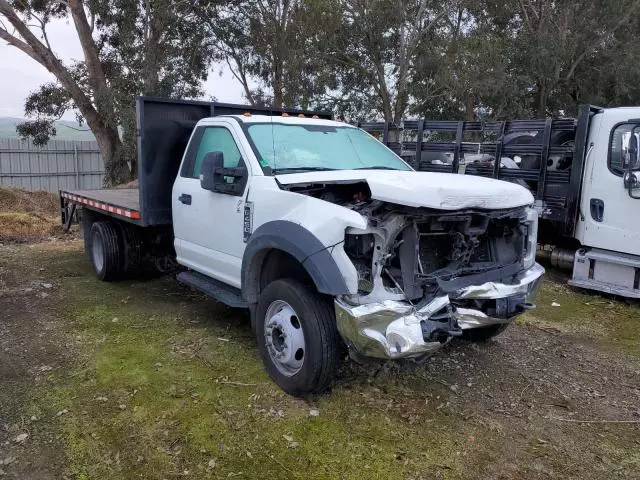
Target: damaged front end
426, 275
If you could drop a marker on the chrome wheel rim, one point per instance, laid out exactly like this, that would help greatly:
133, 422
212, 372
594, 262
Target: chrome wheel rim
97, 251
284, 338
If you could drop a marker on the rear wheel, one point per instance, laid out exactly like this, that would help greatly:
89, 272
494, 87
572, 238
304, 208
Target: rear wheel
483, 334
106, 254
297, 337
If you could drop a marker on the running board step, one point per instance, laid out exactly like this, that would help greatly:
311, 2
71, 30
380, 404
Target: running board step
213, 288
610, 272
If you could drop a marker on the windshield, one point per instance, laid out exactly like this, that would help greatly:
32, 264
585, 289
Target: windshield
294, 148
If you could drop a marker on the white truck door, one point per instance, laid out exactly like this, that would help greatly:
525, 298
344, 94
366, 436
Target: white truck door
208, 226
608, 215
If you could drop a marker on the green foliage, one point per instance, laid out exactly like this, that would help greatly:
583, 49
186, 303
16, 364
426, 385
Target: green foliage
359, 58
46, 105
273, 48
465, 59
531, 58
49, 100
376, 50
39, 131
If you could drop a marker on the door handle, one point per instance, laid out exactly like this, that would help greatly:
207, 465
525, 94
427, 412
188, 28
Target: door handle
597, 209
185, 198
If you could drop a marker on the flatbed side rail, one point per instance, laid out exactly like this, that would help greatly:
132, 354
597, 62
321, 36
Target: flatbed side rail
75, 199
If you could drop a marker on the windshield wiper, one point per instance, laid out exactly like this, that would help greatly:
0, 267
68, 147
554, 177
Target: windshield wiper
302, 169
375, 167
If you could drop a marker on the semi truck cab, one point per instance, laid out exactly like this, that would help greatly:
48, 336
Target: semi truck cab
607, 226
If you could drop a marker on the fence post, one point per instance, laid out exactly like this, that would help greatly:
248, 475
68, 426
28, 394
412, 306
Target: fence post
76, 168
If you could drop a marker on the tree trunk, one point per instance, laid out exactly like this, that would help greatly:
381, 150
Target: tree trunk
116, 170
541, 100
387, 111
277, 85
470, 113
95, 73
151, 56
400, 106
113, 152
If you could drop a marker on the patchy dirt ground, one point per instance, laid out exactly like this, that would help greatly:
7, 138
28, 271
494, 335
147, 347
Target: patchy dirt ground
145, 379
28, 216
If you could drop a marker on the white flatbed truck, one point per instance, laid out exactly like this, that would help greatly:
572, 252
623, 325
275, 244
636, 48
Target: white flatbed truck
321, 231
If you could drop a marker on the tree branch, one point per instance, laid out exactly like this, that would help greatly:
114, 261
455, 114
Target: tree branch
74, 128
33, 47
97, 79
625, 18
241, 76
43, 29
92, 23
16, 42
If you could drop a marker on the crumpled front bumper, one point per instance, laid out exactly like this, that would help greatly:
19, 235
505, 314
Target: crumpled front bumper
394, 329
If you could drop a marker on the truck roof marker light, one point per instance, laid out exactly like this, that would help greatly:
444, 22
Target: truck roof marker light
285, 114
246, 114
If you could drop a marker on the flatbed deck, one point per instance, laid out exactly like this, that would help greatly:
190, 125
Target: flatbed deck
121, 202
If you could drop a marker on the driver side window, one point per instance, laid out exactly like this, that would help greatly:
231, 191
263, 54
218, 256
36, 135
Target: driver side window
618, 157
217, 139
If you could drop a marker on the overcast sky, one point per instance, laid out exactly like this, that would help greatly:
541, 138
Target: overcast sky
20, 74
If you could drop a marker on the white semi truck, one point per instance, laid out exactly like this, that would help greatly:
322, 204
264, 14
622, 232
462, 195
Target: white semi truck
583, 173
322, 232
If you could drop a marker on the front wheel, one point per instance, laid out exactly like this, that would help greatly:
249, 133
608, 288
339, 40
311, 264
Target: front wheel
297, 337
483, 334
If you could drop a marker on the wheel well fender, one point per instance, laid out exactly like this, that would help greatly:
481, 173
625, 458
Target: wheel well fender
299, 243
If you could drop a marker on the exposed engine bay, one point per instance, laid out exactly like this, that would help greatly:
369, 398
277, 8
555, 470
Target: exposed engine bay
422, 271
416, 254
419, 254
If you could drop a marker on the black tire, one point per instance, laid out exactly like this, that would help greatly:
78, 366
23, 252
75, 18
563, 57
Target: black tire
532, 162
483, 334
106, 253
322, 341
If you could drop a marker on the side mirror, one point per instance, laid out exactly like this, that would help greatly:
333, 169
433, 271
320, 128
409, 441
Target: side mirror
216, 178
210, 162
630, 150
631, 180
631, 156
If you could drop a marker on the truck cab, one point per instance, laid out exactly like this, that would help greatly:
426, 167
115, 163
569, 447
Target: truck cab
609, 257
323, 233
273, 205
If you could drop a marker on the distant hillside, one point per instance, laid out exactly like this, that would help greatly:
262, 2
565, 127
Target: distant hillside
65, 129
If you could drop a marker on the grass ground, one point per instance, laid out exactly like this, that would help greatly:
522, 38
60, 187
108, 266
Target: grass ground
145, 379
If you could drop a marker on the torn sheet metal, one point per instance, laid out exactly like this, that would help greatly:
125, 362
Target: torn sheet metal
396, 329
526, 283
388, 329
